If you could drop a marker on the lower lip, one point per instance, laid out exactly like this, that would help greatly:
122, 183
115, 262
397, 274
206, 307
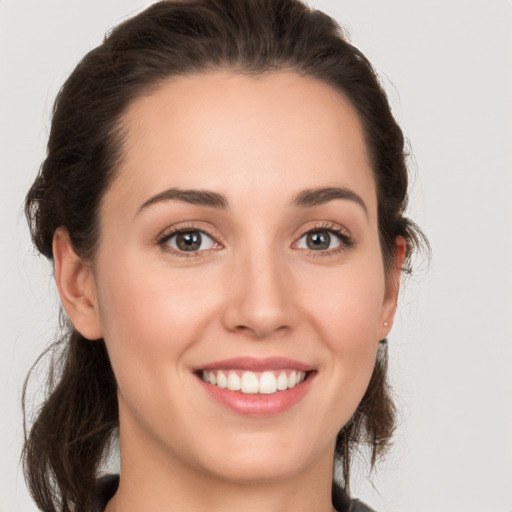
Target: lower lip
258, 404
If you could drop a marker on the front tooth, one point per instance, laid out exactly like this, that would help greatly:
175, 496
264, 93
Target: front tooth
292, 379
268, 383
249, 383
212, 378
222, 380
282, 381
233, 381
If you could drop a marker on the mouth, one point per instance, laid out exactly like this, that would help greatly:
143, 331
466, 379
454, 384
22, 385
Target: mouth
250, 382
256, 387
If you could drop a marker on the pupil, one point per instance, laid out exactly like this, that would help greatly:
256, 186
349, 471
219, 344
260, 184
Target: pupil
189, 241
318, 240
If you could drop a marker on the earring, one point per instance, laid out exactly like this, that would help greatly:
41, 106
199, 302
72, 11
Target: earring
385, 324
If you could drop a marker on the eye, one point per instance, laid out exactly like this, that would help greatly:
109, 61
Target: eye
322, 240
189, 240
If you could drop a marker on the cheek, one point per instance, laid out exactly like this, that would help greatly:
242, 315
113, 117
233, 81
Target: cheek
346, 311
348, 302
150, 319
343, 310
148, 306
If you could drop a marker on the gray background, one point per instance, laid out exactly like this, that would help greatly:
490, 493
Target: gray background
446, 65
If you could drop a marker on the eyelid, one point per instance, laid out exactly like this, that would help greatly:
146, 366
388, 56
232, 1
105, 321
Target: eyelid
165, 235
343, 234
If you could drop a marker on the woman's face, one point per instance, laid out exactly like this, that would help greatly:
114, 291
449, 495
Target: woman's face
239, 246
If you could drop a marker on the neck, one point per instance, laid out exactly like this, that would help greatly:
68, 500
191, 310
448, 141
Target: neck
161, 495
152, 479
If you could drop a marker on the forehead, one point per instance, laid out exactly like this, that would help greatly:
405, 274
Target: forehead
232, 132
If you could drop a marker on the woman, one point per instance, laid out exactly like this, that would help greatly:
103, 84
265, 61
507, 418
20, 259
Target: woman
223, 201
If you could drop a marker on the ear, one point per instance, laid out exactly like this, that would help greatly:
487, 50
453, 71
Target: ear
392, 288
76, 285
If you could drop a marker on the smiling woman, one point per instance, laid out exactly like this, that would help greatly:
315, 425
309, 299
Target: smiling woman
223, 203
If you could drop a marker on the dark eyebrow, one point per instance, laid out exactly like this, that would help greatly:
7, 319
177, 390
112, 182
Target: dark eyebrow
318, 196
199, 197
305, 199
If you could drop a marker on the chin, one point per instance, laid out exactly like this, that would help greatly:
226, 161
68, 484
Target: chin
256, 471
262, 459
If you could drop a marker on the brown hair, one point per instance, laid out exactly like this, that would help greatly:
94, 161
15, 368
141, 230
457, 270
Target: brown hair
72, 430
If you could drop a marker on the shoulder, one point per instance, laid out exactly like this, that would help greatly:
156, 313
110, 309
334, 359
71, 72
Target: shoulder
342, 502
359, 506
106, 488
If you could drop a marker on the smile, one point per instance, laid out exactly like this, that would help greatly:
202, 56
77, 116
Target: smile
250, 382
256, 387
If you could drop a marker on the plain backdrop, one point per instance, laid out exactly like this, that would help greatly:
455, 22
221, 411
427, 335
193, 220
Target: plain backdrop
446, 65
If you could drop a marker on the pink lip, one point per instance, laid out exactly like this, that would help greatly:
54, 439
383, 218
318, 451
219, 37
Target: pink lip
257, 405
256, 364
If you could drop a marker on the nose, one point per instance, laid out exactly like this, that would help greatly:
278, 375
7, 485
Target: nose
261, 300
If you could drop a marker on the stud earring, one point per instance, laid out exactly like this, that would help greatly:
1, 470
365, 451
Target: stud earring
385, 324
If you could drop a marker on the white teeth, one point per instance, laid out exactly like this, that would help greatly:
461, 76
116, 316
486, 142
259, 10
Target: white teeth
249, 383
222, 380
282, 381
266, 383
233, 381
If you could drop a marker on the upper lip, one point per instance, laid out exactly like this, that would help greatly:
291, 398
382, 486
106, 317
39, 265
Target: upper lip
256, 364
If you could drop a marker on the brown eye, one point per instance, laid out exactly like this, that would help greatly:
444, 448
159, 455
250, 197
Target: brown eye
321, 240
189, 241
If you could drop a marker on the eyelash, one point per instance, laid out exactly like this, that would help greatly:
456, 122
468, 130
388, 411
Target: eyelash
346, 241
164, 238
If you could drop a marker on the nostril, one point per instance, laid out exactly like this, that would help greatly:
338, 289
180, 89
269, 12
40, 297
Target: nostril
260, 330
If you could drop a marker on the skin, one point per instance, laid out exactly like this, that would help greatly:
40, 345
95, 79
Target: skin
254, 289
